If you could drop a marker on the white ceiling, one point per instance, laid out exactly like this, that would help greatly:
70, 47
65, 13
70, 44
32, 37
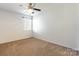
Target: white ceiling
13, 7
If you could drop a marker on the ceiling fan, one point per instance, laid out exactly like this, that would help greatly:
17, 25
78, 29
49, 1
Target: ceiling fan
31, 8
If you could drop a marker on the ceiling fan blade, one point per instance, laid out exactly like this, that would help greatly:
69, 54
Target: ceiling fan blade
36, 9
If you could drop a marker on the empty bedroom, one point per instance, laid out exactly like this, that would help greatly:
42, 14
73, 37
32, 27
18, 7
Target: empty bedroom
39, 29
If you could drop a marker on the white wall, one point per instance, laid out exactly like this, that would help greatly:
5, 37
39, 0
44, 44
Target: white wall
58, 23
77, 26
12, 27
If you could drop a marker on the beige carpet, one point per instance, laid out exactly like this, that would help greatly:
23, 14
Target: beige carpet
34, 47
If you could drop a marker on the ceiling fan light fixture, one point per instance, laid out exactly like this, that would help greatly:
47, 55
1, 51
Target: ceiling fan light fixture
30, 11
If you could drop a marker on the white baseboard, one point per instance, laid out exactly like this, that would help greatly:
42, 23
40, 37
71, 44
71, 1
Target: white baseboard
45, 39
6, 41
